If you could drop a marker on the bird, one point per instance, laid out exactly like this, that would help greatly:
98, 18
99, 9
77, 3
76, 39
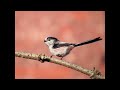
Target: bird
62, 49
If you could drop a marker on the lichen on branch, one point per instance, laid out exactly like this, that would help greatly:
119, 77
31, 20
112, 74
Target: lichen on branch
94, 74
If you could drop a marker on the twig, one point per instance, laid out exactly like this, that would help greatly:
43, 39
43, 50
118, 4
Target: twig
94, 74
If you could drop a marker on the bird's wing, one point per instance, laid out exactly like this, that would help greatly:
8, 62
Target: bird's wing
61, 44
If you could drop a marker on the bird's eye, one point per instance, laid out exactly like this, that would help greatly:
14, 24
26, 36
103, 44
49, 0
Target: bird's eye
48, 39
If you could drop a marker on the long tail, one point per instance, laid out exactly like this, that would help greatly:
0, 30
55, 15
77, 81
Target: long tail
89, 41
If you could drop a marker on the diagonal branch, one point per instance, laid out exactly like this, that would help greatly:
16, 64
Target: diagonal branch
94, 74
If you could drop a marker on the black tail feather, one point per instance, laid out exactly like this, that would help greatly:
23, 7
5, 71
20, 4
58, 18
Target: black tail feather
89, 41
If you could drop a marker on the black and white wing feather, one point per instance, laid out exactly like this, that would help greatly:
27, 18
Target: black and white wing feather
62, 44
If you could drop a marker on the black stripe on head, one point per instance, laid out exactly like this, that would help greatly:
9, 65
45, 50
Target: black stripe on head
49, 38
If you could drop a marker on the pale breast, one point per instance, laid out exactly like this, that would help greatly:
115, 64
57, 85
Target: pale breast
62, 51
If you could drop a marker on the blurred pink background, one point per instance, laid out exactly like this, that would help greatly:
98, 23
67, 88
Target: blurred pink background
32, 27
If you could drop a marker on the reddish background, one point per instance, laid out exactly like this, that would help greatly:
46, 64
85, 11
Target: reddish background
31, 27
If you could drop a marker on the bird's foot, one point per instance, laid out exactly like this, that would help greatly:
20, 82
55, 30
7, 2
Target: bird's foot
61, 58
51, 56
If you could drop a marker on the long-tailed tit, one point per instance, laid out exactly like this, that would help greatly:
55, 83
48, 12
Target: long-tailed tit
61, 49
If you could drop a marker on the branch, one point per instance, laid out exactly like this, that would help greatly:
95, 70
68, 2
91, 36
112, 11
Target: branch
94, 74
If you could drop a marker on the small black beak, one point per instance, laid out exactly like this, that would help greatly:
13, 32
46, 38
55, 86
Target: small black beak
44, 40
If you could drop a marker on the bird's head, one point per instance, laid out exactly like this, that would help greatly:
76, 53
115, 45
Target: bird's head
50, 41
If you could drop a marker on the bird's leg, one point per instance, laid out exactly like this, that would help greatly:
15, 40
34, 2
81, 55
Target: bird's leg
51, 56
61, 58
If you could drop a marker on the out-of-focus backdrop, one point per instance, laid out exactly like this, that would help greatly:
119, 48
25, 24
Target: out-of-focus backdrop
32, 27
